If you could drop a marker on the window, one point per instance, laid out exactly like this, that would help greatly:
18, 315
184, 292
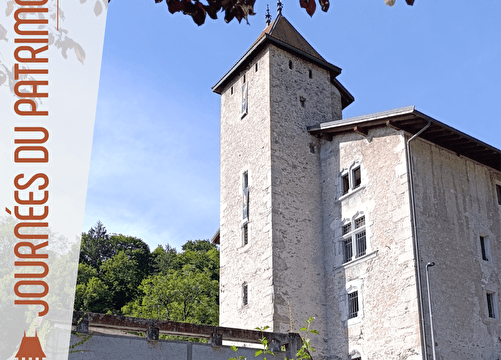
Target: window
357, 177
346, 183
245, 234
498, 192
244, 79
231, 90
491, 305
302, 101
354, 241
312, 148
351, 179
353, 305
245, 294
256, 67
245, 103
310, 74
245, 195
290, 64
484, 247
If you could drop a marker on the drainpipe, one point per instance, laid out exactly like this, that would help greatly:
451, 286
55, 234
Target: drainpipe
415, 240
429, 306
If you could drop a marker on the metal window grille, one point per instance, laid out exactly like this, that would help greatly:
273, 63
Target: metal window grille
353, 305
245, 234
361, 243
357, 177
490, 305
347, 250
346, 184
483, 246
245, 294
359, 222
346, 228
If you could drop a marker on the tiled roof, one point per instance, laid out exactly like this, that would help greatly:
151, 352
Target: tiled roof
283, 35
281, 29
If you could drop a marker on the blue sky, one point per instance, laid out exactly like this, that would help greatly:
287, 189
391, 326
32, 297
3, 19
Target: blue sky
154, 172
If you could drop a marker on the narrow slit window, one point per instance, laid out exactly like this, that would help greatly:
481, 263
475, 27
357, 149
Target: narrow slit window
245, 234
245, 294
231, 90
310, 74
353, 305
245, 195
244, 78
498, 192
255, 67
290, 64
484, 247
245, 103
491, 306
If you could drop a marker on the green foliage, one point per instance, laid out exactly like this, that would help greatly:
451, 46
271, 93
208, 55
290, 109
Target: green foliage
302, 354
85, 273
123, 275
187, 295
93, 296
162, 259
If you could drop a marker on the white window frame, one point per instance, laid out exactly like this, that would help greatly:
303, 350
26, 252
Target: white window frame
349, 174
351, 287
351, 235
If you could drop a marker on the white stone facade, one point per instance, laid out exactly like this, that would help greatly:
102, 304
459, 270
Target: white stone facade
329, 227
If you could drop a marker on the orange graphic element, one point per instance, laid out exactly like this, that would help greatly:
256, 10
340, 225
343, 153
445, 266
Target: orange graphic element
30, 348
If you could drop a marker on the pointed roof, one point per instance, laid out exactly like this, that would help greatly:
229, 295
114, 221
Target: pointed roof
30, 348
281, 33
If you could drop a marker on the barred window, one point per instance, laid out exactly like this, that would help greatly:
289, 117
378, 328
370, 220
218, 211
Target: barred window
354, 239
353, 305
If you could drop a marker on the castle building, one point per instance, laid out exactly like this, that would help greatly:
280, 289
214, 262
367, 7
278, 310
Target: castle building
346, 219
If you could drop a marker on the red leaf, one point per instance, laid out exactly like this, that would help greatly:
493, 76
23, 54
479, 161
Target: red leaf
309, 5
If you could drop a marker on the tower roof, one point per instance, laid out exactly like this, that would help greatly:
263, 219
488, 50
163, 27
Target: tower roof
282, 34
30, 348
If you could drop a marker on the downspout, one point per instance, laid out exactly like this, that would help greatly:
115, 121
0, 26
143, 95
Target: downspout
415, 241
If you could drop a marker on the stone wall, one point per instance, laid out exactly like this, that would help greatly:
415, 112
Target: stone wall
298, 101
387, 325
245, 147
456, 205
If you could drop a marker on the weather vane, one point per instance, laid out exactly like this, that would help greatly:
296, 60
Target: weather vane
268, 15
279, 7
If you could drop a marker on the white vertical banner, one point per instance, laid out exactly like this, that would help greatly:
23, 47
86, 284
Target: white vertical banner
50, 59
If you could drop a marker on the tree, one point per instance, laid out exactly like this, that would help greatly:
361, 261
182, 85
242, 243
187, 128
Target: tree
94, 296
122, 275
239, 9
162, 259
95, 247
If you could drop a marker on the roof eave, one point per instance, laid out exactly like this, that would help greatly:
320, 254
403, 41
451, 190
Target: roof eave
411, 120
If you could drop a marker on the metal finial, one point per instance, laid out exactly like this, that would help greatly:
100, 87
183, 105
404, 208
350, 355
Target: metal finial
279, 7
268, 15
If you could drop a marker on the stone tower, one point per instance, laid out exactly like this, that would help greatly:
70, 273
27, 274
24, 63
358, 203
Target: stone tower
272, 256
